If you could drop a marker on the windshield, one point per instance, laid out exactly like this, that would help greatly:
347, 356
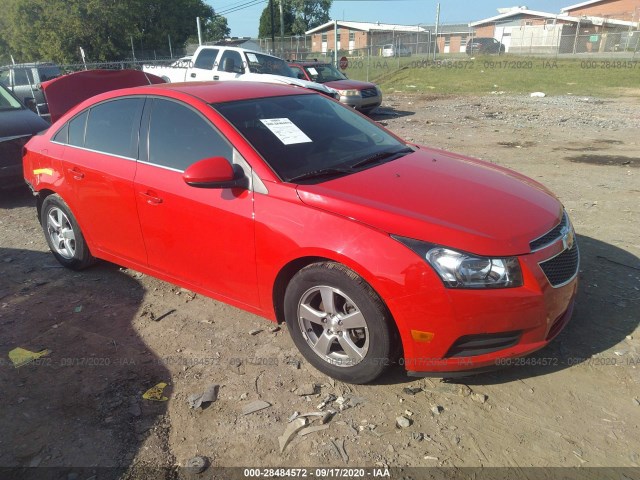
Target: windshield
324, 73
8, 101
259, 63
299, 135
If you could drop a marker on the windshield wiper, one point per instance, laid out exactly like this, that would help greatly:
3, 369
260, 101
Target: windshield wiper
324, 172
380, 156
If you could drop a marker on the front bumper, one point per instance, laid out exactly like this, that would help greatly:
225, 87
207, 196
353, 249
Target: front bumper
360, 103
478, 330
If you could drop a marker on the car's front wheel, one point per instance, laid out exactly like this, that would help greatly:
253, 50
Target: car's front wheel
339, 323
63, 234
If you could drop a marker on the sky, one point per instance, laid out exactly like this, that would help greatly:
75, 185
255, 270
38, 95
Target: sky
243, 16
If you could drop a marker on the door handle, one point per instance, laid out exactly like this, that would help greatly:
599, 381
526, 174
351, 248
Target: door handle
151, 198
216, 77
193, 75
77, 174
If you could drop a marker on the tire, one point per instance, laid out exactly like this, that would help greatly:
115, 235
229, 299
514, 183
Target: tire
63, 234
359, 354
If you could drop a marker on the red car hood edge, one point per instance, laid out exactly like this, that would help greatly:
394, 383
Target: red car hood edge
446, 199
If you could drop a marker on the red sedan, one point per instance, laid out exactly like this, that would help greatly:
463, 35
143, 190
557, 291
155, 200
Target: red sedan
289, 205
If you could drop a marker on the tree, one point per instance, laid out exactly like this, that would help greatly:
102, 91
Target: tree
309, 14
217, 28
55, 29
264, 30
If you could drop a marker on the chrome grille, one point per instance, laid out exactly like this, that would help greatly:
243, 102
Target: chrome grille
562, 268
551, 236
369, 92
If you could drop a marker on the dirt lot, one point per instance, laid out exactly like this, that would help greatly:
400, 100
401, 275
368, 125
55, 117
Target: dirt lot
114, 333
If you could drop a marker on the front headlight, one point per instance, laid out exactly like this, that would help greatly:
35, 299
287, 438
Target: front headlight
349, 93
465, 270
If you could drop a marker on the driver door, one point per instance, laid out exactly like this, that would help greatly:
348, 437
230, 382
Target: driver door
199, 236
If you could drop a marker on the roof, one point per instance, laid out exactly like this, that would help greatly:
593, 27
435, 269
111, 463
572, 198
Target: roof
368, 27
448, 28
519, 11
579, 5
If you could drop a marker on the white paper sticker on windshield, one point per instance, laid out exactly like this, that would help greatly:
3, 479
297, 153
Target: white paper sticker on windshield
312, 71
286, 131
252, 57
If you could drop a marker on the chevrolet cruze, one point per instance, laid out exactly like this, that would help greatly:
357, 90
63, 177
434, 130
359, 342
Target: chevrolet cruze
289, 205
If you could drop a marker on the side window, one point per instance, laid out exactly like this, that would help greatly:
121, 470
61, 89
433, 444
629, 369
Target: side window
113, 127
77, 128
179, 137
206, 58
63, 134
298, 72
4, 77
22, 76
231, 61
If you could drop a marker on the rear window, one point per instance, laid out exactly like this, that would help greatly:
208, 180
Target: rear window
48, 73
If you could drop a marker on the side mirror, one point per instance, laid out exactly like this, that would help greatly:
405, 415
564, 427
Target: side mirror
215, 172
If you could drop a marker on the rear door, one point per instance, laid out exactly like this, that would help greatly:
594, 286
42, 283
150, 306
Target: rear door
99, 164
201, 236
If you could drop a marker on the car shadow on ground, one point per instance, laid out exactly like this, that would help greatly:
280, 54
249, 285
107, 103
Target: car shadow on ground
16, 197
605, 314
78, 410
381, 114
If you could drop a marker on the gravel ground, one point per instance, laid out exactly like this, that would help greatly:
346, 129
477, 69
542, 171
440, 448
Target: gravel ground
114, 333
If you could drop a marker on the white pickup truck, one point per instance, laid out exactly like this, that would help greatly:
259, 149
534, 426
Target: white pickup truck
221, 63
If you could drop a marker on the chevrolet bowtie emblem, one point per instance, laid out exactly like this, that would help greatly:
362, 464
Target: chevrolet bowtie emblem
568, 238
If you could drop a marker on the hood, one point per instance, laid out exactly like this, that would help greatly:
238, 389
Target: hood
64, 93
20, 123
267, 77
349, 85
443, 198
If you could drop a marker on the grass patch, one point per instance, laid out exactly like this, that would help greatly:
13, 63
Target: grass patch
506, 73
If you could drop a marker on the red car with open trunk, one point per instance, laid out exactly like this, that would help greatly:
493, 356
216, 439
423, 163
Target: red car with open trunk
289, 205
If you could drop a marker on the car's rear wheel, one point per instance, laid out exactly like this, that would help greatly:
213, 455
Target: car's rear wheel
63, 234
338, 322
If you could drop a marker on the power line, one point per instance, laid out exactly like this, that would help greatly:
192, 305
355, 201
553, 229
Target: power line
241, 7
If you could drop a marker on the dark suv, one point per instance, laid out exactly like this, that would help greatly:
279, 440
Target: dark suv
484, 46
24, 80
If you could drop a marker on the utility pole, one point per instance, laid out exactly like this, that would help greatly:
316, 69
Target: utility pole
335, 43
273, 27
435, 47
199, 31
170, 50
281, 29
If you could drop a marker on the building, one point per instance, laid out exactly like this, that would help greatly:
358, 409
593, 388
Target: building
628, 10
356, 37
572, 30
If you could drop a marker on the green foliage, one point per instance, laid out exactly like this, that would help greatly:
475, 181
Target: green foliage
310, 14
55, 30
264, 29
299, 16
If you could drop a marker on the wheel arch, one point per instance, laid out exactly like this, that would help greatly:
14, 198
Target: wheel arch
40, 198
287, 272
